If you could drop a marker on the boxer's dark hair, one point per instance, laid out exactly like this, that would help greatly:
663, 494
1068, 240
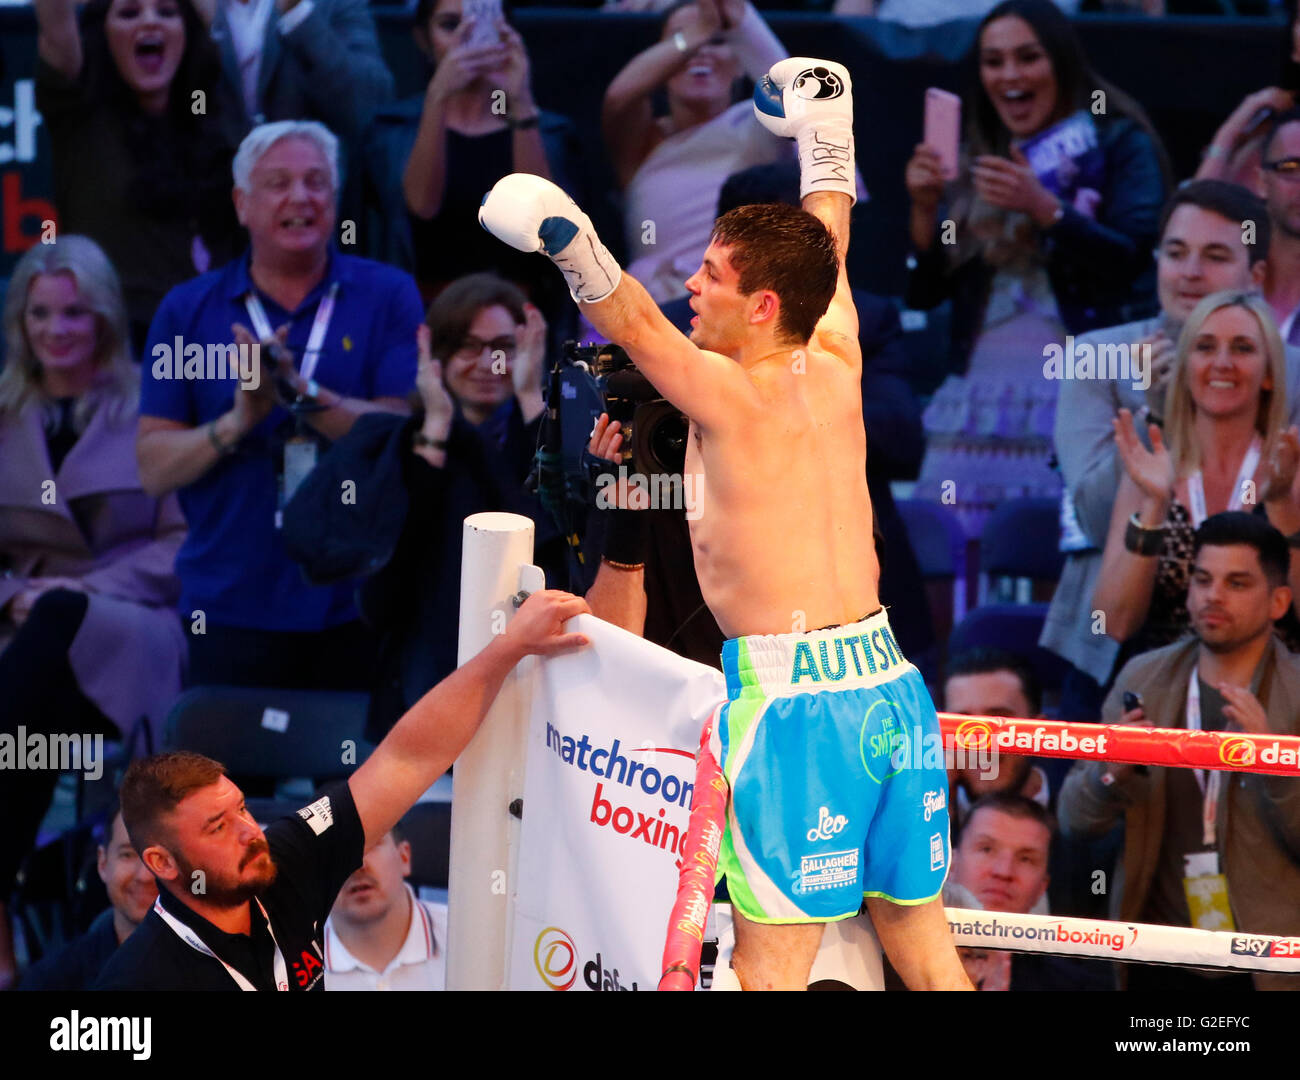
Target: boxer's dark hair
787, 250
154, 786
454, 309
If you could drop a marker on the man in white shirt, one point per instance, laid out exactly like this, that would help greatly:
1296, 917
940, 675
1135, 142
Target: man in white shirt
380, 935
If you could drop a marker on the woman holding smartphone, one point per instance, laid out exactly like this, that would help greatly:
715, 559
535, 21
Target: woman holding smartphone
1023, 266
431, 157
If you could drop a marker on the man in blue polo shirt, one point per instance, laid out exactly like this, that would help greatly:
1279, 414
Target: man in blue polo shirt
337, 336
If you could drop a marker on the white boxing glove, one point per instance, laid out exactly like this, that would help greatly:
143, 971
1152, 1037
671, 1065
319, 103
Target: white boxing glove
811, 101
532, 214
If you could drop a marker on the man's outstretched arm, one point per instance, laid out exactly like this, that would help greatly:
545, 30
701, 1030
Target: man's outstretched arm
811, 101
703, 384
832, 209
433, 732
532, 214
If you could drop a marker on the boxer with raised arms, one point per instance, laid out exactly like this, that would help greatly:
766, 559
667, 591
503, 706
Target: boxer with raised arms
813, 740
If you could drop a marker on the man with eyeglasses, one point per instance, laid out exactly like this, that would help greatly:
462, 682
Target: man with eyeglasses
1280, 174
336, 336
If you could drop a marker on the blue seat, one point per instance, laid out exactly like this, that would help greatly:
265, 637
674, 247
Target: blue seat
940, 545
261, 733
1022, 539
1016, 628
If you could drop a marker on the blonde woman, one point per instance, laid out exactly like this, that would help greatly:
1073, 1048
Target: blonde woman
90, 641
1224, 448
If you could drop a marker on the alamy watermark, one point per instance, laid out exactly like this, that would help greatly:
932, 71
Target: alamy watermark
927, 751
658, 491
61, 752
1079, 360
215, 360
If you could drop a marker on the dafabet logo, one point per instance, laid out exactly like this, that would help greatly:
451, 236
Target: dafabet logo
556, 958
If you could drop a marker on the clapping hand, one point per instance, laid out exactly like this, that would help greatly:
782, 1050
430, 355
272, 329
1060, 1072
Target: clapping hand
1151, 470
439, 409
1280, 471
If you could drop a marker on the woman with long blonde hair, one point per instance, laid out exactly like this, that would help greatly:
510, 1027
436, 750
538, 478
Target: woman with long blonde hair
1224, 448
103, 373
90, 641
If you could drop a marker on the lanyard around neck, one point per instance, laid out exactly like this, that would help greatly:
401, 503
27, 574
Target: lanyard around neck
319, 327
1210, 781
1196, 488
194, 942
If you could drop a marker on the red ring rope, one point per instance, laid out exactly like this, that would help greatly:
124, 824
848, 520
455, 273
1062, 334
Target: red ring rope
1230, 751
681, 963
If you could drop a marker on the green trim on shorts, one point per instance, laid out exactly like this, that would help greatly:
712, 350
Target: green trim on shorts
739, 716
902, 903
765, 921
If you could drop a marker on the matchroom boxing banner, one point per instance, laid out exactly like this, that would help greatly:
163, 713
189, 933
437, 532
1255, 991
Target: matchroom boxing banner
607, 796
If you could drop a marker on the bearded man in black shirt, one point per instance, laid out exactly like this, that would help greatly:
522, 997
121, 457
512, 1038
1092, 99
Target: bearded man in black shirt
241, 909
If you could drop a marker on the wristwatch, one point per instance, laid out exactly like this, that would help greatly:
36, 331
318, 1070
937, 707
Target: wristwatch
1143, 541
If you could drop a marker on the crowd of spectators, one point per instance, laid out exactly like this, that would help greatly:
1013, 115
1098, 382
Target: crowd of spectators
256, 181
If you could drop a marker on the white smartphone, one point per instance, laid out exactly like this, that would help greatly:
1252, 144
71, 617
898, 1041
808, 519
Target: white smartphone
485, 14
943, 127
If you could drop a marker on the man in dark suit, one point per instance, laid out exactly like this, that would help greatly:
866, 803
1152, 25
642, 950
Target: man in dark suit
299, 60
131, 892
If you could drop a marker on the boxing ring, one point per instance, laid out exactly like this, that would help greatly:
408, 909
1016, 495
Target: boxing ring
496, 942
1277, 755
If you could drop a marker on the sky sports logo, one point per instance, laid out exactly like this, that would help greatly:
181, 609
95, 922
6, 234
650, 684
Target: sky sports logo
1288, 948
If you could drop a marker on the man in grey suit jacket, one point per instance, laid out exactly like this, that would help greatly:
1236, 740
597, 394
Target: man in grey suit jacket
299, 60
1207, 243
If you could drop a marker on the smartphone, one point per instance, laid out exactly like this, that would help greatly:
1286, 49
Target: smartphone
485, 14
1132, 701
943, 127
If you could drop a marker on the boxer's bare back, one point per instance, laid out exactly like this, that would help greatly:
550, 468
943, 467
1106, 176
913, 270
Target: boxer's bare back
782, 527
781, 521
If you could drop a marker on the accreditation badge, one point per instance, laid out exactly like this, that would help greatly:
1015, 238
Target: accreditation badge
297, 459
1207, 892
